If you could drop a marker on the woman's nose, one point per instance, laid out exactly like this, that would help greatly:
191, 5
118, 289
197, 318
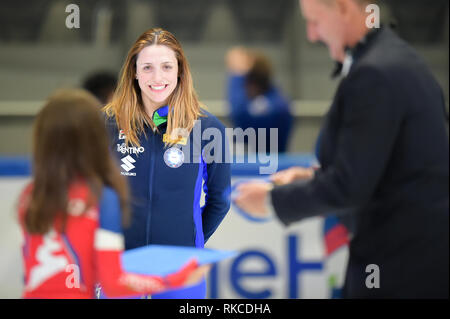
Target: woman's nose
157, 76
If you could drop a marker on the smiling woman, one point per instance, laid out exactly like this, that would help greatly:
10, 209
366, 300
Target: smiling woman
151, 121
157, 74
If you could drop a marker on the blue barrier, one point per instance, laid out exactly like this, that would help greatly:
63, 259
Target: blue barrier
284, 161
21, 165
15, 166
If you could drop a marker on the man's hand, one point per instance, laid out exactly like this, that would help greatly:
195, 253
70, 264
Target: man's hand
252, 198
292, 174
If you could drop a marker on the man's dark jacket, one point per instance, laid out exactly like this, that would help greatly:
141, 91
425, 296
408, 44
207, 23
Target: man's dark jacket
384, 154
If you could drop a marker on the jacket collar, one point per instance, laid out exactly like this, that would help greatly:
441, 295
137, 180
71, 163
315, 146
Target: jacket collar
352, 54
160, 116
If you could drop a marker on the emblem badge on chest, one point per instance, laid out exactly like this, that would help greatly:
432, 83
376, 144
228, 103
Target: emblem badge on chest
173, 157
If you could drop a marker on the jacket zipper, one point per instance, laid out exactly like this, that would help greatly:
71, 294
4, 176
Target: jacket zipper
151, 149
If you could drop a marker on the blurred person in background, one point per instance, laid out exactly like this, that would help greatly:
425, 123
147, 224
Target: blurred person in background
384, 154
71, 214
151, 120
254, 100
101, 84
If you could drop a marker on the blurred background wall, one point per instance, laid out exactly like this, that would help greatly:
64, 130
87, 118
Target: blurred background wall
39, 54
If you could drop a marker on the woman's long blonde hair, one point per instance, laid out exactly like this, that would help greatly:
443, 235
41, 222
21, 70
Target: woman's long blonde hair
127, 105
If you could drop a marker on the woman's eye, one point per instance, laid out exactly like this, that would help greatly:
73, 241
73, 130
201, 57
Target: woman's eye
167, 67
146, 68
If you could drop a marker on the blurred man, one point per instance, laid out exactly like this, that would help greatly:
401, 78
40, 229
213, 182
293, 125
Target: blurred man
384, 154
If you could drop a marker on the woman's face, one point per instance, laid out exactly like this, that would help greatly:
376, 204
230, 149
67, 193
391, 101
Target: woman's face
157, 74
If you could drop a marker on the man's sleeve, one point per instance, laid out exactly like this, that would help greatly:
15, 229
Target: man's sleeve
370, 121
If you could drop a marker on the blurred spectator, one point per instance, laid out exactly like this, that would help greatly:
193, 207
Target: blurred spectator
101, 84
254, 100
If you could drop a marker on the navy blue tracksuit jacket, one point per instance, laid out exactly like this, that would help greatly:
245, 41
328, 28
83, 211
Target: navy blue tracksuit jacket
166, 183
